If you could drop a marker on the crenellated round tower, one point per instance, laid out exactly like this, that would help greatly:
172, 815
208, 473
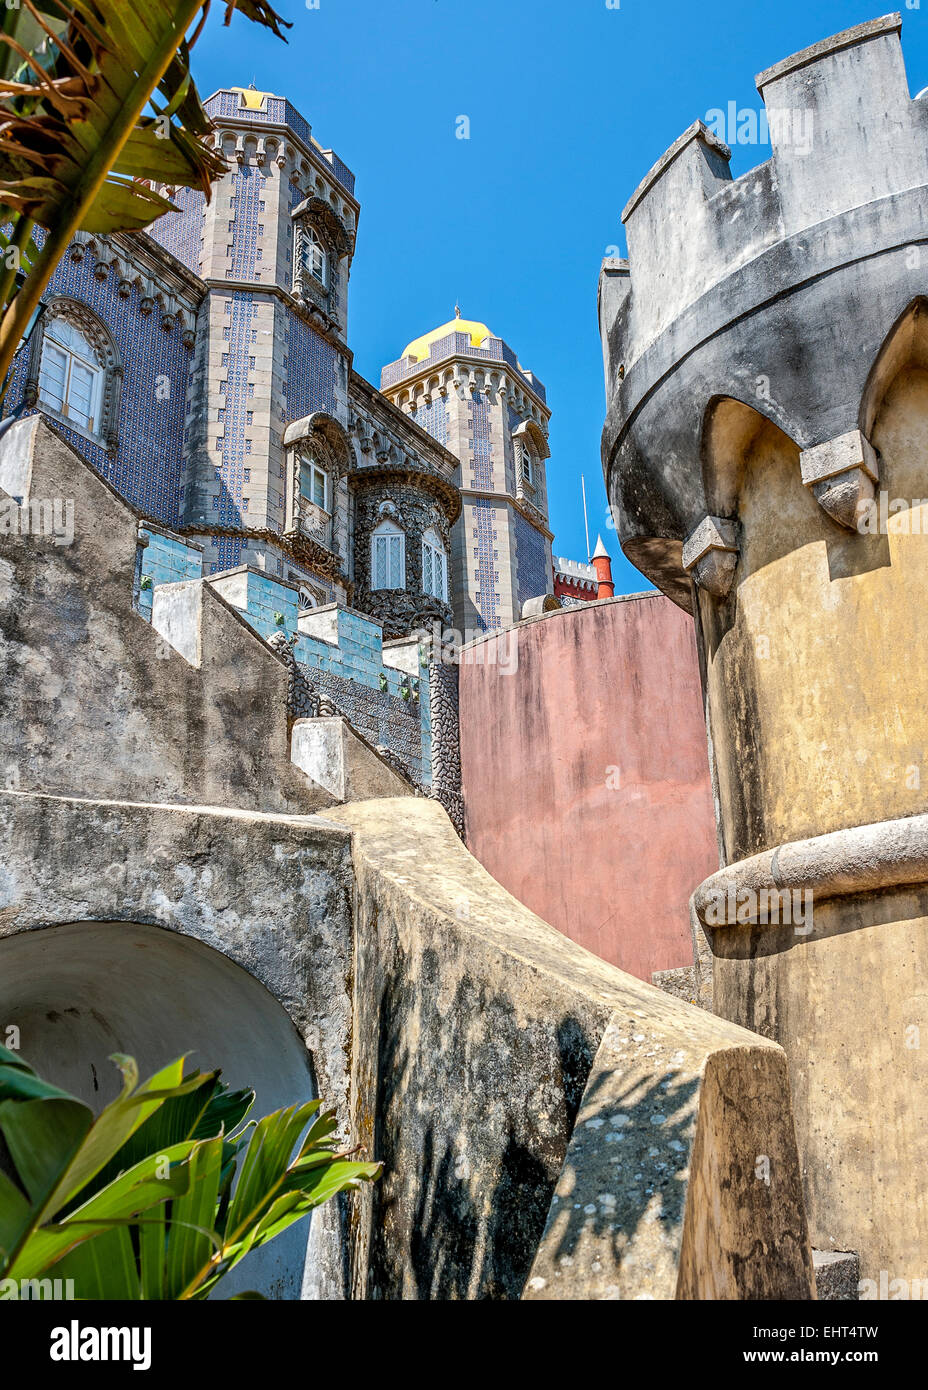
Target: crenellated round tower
766, 459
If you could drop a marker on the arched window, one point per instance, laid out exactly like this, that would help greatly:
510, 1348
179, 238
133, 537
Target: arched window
307, 598
315, 484
70, 374
388, 557
315, 257
434, 566
528, 465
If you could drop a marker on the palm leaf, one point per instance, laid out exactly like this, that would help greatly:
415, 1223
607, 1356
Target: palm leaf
78, 80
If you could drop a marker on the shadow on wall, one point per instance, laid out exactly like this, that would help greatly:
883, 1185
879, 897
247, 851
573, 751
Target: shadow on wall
630, 1136
460, 1250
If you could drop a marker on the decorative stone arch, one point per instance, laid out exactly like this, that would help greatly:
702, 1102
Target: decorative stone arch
387, 510
317, 213
905, 346
310, 597
438, 522
730, 430
107, 355
322, 431
531, 432
532, 449
326, 440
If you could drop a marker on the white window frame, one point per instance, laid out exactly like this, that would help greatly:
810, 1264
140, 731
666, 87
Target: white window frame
315, 474
390, 541
315, 256
434, 566
72, 358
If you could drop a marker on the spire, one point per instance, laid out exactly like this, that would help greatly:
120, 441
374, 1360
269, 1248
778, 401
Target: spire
602, 563
457, 311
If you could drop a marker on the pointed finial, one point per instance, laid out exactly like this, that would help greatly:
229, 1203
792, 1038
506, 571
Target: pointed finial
457, 311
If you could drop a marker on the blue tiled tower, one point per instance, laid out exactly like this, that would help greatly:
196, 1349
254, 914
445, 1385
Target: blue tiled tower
467, 388
274, 248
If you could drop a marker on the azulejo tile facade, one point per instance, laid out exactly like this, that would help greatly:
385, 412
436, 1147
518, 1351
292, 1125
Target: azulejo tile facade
204, 370
467, 388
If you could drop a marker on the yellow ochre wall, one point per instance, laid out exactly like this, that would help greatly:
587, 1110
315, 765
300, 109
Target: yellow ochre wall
819, 658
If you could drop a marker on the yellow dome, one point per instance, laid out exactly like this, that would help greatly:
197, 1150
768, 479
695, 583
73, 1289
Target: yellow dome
419, 349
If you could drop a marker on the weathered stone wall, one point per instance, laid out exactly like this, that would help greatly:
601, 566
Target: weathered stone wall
477, 1026
271, 893
94, 701
453, 1031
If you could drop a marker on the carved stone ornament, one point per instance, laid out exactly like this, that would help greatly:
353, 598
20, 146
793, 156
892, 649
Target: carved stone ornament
710, 554
842, 475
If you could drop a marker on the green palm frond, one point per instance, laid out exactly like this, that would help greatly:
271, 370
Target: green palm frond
140, 1202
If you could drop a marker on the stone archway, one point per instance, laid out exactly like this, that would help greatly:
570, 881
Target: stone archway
80, 992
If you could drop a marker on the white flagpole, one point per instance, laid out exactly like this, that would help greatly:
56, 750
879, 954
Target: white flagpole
586, 523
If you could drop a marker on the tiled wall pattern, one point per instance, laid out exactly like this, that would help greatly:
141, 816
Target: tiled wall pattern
230, 430
486, 570
181, 232
433, 418
146, 466
350, 673
531, 560
244, 238
481, 445
311, 373
166, 560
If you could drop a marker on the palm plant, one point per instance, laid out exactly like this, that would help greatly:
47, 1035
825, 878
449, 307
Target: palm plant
142, 1201
96, 98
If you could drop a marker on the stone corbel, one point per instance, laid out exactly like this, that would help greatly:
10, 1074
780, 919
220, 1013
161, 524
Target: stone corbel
710, 554
842, 475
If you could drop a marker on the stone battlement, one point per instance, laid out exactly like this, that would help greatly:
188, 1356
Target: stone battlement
776, 290
844, 133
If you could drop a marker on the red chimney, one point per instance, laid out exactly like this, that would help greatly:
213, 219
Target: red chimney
603, 567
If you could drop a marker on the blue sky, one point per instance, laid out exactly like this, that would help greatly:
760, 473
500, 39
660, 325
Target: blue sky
569, 105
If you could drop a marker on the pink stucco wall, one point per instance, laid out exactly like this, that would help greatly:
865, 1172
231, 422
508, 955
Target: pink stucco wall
586, 776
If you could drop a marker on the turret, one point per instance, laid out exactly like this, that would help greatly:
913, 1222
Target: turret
765, 351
